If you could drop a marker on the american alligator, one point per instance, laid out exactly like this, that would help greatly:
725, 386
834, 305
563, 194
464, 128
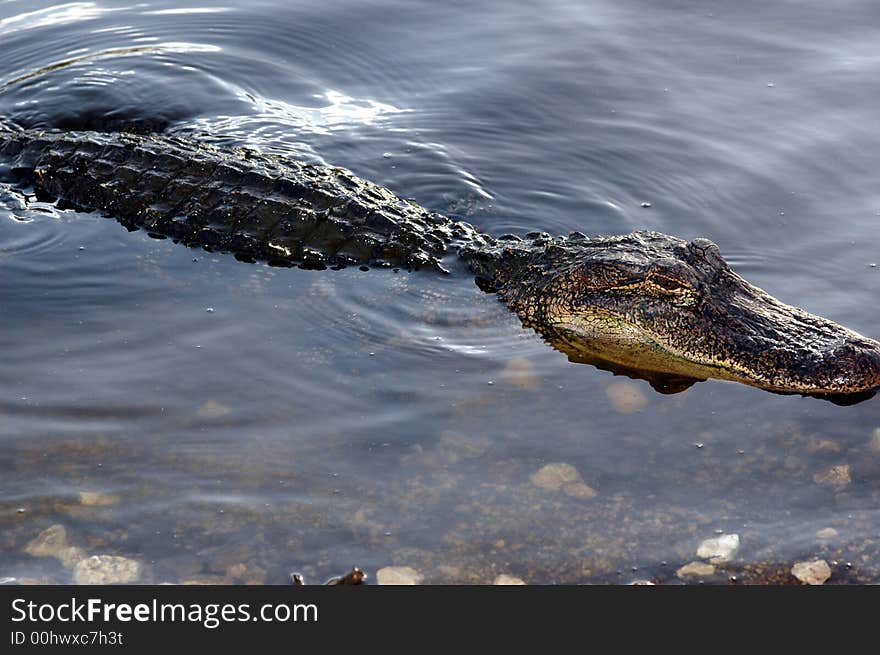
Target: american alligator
646, 304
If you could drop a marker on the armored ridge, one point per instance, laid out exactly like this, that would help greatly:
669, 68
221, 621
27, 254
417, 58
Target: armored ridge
644, 304
257, 206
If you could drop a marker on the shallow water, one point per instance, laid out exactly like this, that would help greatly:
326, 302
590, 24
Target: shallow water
292, 420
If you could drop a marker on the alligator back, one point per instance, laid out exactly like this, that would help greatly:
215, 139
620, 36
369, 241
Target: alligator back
258, 206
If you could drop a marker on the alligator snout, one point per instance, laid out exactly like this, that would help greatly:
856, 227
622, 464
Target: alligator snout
783, 348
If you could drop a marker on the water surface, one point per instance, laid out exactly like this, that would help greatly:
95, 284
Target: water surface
292, 420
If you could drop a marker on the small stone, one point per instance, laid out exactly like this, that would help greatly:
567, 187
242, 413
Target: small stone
695, 569
505, 579
814, 573
236, 570
552, 477
719, 549
212, 409
823, 446
837, 476
520, 372
97, 499
626, 397
646, 205
398, 575
106, 569
827, 533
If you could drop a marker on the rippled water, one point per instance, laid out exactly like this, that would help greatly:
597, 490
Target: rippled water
290, 420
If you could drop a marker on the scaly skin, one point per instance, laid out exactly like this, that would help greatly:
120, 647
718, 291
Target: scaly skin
256, 206
646, 304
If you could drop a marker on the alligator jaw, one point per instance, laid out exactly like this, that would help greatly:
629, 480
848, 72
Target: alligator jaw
829, 362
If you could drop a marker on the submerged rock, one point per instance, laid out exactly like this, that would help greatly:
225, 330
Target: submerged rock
49, 543
52, 542
695, 569
398, 575
626, 397
212, 409
566, 477
827, 533
520, 372
505, 579
719, 549
106, 569
823, 446
813, 573
837, 476
97, 499
552, 476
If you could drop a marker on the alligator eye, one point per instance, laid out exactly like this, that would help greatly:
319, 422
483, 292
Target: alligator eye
668, 285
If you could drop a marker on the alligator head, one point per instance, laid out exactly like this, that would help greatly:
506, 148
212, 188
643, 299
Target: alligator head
673, 312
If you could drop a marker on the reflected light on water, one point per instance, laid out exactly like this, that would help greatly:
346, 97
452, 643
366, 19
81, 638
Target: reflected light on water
62, 14
338, 111
186, 10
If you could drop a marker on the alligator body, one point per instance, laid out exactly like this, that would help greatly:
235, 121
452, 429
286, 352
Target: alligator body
646, 304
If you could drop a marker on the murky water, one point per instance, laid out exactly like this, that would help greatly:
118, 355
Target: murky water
218, 421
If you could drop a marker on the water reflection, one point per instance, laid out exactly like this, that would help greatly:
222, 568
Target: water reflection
159, 48
63, 14
332, 111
